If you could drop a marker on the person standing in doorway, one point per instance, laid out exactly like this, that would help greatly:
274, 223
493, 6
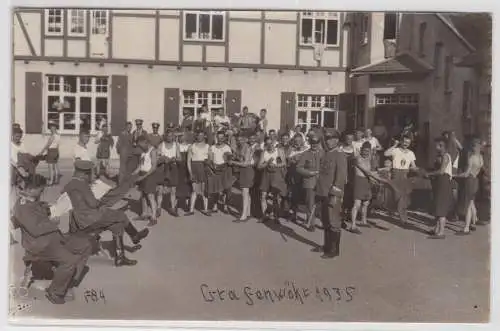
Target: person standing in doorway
52, 149
329, 189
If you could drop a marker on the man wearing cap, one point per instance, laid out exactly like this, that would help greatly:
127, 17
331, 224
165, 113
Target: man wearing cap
139, 131
123, 148
155, 139
332, 177
91, 216
43, 241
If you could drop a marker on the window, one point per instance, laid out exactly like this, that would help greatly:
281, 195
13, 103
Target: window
76, 102
204, 25
396, 99
76, 22
447, 73
319, 28
438, 50
466, 98
320, 110
421, 38
364, 28
390, 26
99, 22
54, 22
193, 100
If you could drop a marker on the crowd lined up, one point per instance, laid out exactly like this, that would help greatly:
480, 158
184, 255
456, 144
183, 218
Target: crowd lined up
202, 160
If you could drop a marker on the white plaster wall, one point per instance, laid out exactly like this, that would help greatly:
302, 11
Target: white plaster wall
20, 43
377, 52
215, 53
53, 47
245, 14
260, 89
331, 58
281, 15
192, 53
77, 48
32, 23
169, 39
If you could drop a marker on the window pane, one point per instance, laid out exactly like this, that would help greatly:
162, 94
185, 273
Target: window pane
319, 31
53, 118
101, 84
190, 109
316, 117
390, 26
85, 105
69, 84
191, 26
306, 33
53, 84
217, 27
85, 84
301, 117
189, 97
331, 101
332, 36
204, 21
99, 22
316, 101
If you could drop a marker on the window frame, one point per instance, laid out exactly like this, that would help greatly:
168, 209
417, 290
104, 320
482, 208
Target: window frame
93, 21
312, 106
70, 16
364, 28
397, 22
422, 29
211, 14
48, 24
198, 101
320, 16
93, 94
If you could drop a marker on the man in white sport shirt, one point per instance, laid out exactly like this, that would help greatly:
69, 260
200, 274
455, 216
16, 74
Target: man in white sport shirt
403, 160
80, 152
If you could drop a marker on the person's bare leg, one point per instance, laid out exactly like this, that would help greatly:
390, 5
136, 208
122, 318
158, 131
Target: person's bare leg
56, 173
474, 217
204, 197
152, 201
144, 202
173, 199
245, 211
441, 226
194, 195
354, 213
364, 212
160, 191
263, 204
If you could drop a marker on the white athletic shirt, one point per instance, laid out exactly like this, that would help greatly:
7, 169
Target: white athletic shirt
199, 153
218, 153
170, 152
146, 162
14, 151
449, 167
183, 147
356, 145
82, 153
267, 156
402, 159
55, 141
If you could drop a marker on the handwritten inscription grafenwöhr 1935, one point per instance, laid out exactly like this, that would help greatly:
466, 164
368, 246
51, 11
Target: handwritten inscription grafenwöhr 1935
290, 292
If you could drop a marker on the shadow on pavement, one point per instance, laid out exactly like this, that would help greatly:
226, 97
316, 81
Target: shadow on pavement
285, 232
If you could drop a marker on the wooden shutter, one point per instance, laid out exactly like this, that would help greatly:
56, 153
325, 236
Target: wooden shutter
34, 102
233, 102
119, 93
287, 119
171, 106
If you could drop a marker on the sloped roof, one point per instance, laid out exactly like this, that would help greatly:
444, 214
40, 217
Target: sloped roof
401, 63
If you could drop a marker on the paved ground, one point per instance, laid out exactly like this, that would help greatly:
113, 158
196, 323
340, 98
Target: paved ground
385, 274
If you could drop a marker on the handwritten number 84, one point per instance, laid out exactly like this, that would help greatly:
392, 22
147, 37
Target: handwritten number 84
94, 295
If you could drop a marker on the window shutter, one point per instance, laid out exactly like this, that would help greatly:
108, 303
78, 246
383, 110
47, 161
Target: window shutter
171, 106
233, 102
287, 110
119, 91
34, 102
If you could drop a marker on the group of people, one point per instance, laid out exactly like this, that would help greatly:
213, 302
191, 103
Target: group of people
340, 175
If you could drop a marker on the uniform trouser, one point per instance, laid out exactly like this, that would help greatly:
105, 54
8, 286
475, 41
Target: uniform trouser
331, 220
123, 167
68, 263
113, 220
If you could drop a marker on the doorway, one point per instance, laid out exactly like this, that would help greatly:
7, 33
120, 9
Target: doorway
395, 117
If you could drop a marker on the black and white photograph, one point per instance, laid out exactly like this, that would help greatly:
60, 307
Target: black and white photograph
220, 164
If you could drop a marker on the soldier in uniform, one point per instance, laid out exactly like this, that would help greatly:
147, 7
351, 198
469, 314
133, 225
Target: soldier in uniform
91, 216
155, 139
329, 189
123, 148
43, 241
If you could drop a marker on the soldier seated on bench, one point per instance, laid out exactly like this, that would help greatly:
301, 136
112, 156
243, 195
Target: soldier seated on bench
43, 241
92, 216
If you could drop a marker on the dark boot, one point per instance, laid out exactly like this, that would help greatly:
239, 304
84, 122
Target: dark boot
336, 242
136, 236
333, 249
77, 279
120, 259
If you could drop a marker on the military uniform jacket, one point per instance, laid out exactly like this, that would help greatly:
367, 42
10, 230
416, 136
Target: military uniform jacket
37, 231
136, 134
332, 172
155, 139
86, 209
125, 142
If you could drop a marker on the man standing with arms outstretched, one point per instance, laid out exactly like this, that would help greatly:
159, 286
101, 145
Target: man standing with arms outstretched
330, 190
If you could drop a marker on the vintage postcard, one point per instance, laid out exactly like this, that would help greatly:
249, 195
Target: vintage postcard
250, 165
